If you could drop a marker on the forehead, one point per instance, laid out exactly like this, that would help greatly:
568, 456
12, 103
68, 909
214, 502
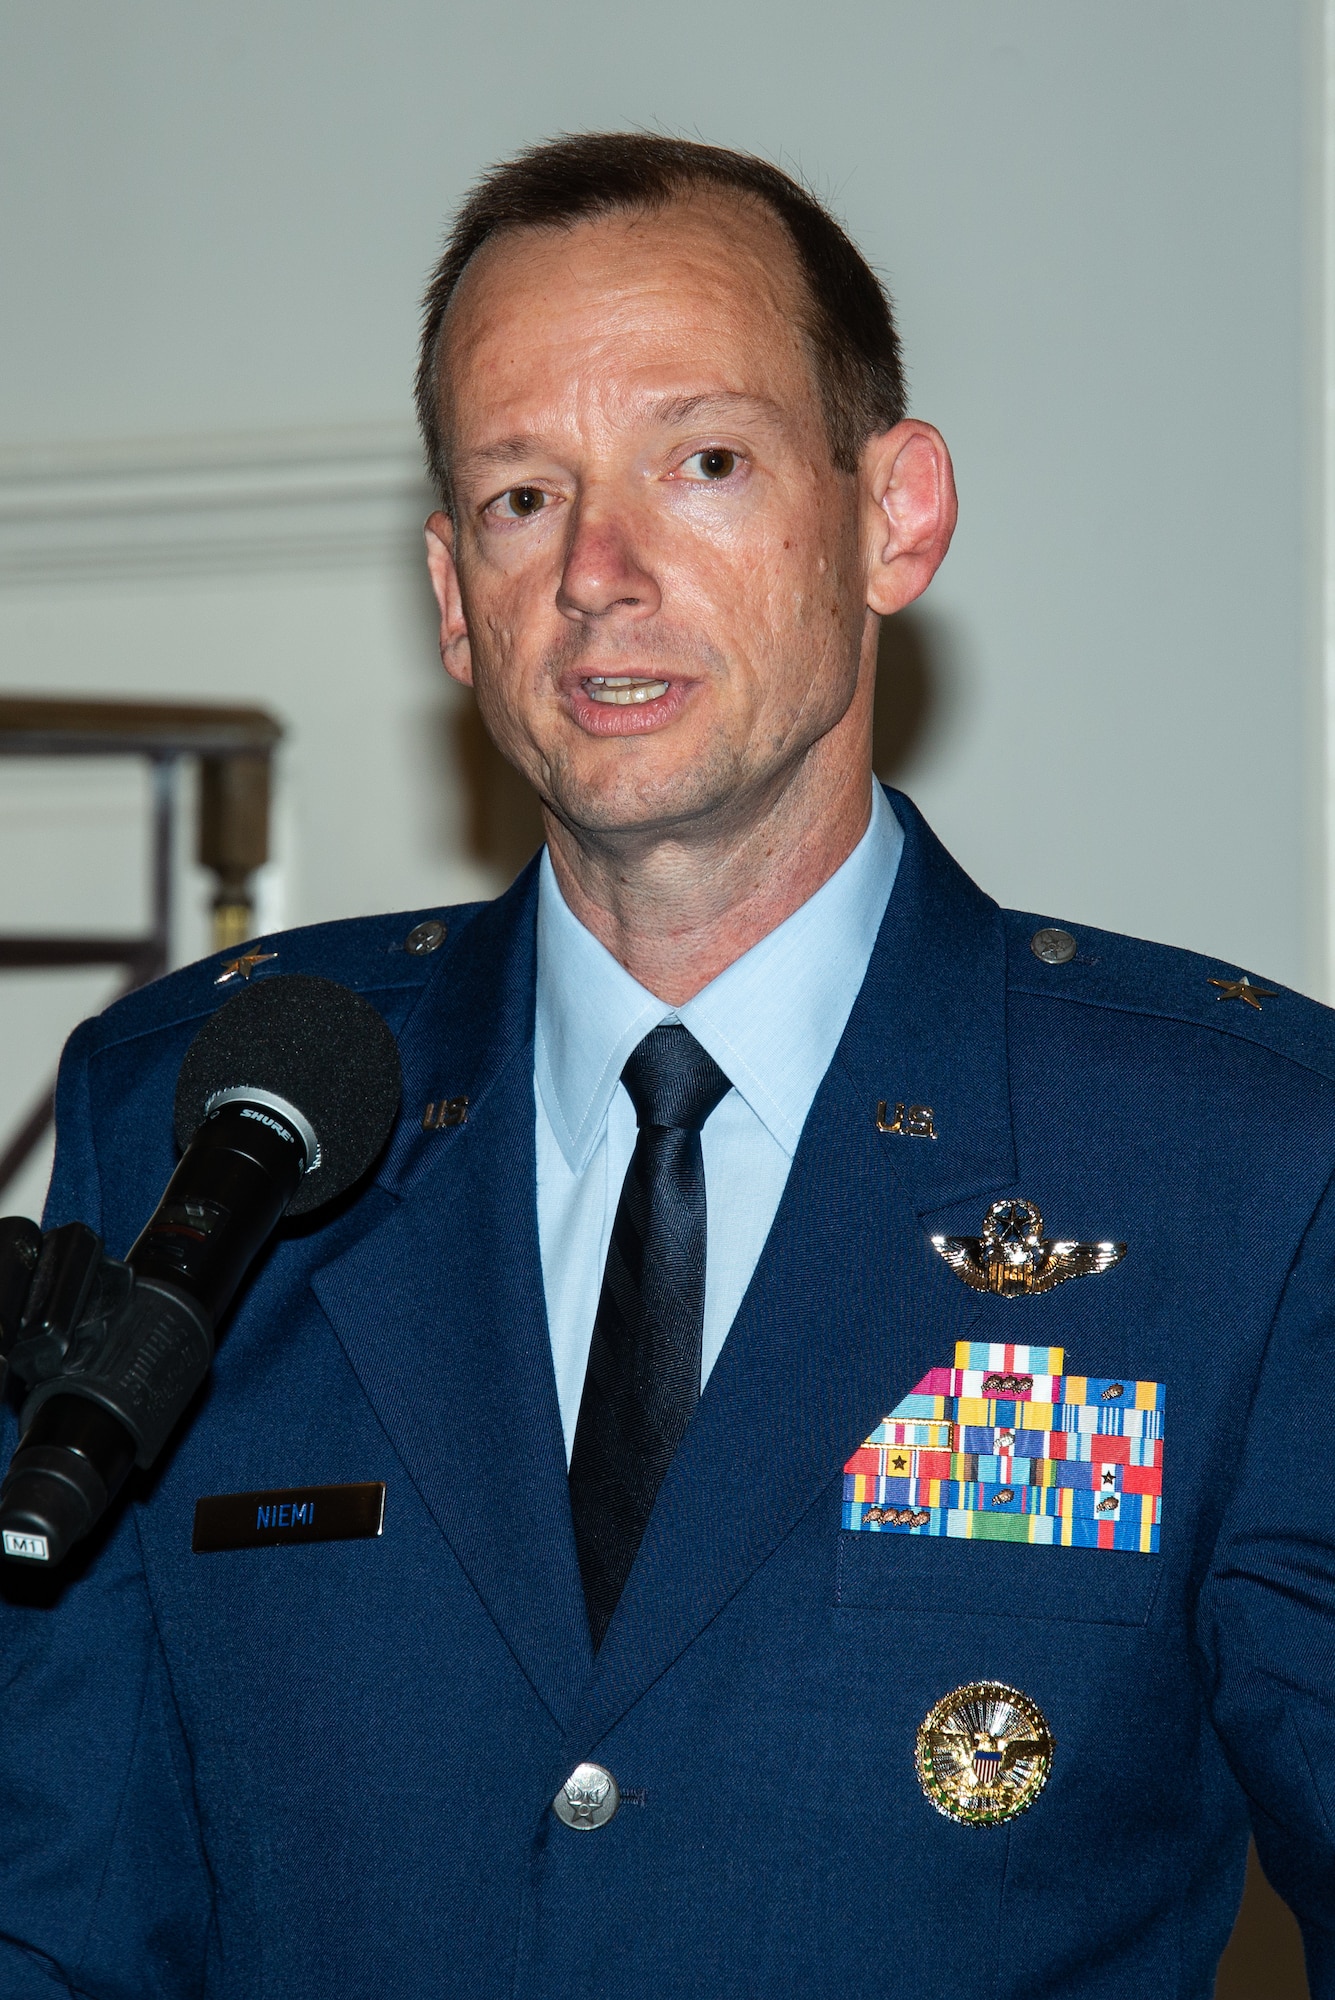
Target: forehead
706, 293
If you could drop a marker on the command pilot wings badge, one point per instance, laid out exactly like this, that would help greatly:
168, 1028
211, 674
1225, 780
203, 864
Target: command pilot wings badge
1012, 1258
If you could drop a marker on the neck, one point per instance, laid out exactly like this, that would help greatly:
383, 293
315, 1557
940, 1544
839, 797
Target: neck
677, 910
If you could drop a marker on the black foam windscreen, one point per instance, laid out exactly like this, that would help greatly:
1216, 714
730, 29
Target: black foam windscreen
319, 1046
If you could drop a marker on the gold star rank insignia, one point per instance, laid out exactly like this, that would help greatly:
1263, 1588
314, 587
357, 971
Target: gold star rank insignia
241, 968
1242, 989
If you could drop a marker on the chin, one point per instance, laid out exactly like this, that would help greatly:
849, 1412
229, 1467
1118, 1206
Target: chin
649, 795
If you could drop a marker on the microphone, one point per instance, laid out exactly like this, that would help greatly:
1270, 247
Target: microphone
285, 1097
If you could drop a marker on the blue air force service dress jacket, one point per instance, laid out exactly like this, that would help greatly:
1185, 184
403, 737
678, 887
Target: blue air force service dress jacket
325, 1770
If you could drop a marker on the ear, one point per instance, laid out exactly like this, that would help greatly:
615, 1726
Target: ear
908, 509
455, 652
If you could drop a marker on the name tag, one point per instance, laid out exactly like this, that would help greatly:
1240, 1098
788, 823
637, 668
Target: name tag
292, 1514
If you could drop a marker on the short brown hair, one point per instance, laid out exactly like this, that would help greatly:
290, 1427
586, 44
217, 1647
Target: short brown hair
850, 326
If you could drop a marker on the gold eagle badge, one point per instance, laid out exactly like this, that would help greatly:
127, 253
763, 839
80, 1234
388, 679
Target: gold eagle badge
1013, 1258
984, 1754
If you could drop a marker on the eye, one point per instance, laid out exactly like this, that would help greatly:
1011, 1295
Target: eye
714, 462
520, 502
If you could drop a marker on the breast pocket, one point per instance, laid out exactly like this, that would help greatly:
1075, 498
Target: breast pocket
995, 1579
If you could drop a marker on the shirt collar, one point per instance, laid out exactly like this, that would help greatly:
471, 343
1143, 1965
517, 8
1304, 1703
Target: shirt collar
772, 1020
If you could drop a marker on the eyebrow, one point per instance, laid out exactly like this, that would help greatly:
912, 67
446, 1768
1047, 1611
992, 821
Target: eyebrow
667, 411
681, 409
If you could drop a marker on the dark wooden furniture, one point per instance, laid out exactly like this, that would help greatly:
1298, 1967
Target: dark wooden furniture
234, 746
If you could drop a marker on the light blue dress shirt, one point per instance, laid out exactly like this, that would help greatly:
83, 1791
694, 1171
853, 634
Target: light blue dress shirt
771, 1021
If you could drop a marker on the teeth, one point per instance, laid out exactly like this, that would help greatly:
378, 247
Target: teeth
623, 689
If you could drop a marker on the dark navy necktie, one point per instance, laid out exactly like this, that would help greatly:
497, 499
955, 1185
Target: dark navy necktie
643, 1377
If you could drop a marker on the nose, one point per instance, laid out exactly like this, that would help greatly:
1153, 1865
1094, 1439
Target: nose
603, 572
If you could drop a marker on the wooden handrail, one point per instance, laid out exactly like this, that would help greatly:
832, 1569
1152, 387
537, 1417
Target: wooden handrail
234, 747
35, 725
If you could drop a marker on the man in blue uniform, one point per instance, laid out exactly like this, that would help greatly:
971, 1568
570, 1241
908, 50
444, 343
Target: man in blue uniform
849, 1366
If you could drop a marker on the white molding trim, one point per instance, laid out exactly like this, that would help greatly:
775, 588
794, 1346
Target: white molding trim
208, 505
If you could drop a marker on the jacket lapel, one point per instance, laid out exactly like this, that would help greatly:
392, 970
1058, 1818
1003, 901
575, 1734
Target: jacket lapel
440, 1307
929, 1027
849, 1306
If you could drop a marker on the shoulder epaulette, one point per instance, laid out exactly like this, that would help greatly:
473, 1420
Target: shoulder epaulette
1067, 961
369, 954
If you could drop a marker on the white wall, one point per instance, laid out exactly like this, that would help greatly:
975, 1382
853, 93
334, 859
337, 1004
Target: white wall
1097, 220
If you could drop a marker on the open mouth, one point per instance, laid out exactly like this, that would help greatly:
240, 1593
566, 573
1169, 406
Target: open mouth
627, 704
623, 690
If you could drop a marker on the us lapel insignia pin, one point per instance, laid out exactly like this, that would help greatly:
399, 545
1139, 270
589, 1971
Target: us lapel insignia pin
911, 1121
984, 1753
242, 967
1012, 1258
445, 1111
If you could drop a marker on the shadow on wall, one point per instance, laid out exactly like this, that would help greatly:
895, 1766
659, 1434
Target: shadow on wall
916, 682
917, 692
502, 823
1264, 1959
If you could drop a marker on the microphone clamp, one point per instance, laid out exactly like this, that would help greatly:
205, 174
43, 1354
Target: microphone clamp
112, 1354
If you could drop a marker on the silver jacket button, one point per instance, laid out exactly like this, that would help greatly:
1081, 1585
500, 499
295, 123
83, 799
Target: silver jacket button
587, 1799
429, 936
1053, 947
